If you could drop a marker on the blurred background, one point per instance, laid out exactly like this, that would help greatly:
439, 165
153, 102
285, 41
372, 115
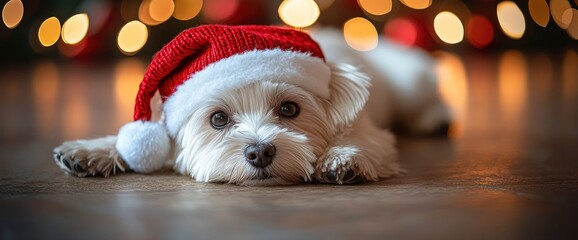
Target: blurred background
64, 47
96, 30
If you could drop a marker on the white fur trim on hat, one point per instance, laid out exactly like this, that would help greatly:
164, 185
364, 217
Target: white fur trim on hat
276, 65
144, 146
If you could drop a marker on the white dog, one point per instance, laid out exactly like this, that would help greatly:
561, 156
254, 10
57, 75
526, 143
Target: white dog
274, 114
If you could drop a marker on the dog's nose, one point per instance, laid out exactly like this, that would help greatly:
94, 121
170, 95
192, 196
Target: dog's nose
260, 155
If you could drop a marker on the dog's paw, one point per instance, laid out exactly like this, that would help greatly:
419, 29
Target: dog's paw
69, 159
88, 158
342, 165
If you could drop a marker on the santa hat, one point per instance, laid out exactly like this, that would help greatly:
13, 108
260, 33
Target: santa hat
202, 62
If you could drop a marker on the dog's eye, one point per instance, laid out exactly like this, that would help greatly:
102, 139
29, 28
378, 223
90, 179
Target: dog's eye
289, 110
219, 120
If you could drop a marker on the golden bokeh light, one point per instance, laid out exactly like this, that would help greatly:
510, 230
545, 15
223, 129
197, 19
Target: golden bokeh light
144, 14
360, 34
12, 13
75, 28
539, 11
299, 13
49, 32
449, 28
132, 37
573, 26
187, 9
557, 8
567, 17
417, 4
375, 7
511, 19
161, 10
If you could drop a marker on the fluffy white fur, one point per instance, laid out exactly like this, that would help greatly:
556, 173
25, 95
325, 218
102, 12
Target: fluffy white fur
404, 83
275, 65
339, 137
153, 146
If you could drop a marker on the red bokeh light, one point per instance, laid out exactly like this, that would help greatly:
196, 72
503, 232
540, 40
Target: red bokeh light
219, 10
479, 31
402, 31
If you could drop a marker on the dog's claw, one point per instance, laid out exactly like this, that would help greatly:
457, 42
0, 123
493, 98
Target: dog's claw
349, 174
78, 168
331, 176
343, 177
65, 162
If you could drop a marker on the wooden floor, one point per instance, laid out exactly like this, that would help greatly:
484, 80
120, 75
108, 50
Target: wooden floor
509, 169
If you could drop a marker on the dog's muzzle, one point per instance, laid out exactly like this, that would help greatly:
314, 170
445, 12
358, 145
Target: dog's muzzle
260, 155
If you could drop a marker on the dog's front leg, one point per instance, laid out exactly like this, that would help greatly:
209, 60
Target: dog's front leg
365, 153
90, 157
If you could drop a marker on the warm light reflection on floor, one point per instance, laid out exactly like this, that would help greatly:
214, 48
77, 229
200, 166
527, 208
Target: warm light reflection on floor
512, 89
76, 119
453, 88
542, 76
12, 92
128, 74
570, 86
46, 85
507, 205
570, 76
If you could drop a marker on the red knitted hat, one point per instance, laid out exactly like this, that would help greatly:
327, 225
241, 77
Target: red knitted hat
195, 48
205, 61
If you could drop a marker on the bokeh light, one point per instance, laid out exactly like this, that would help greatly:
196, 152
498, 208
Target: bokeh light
360, 34
299, 13
539, 11
187, 9
448, 27
511, 19
219, 10
557, 8
375, 7
144, 14
49, 32
75, 28
573, 26
132, 37
417, 4
161, 10
12, 13
567, 17
402, 31
479, 31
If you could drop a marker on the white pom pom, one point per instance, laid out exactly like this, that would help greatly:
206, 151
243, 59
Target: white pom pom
144, 146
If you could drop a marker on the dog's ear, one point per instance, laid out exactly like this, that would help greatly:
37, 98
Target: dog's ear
349, 91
